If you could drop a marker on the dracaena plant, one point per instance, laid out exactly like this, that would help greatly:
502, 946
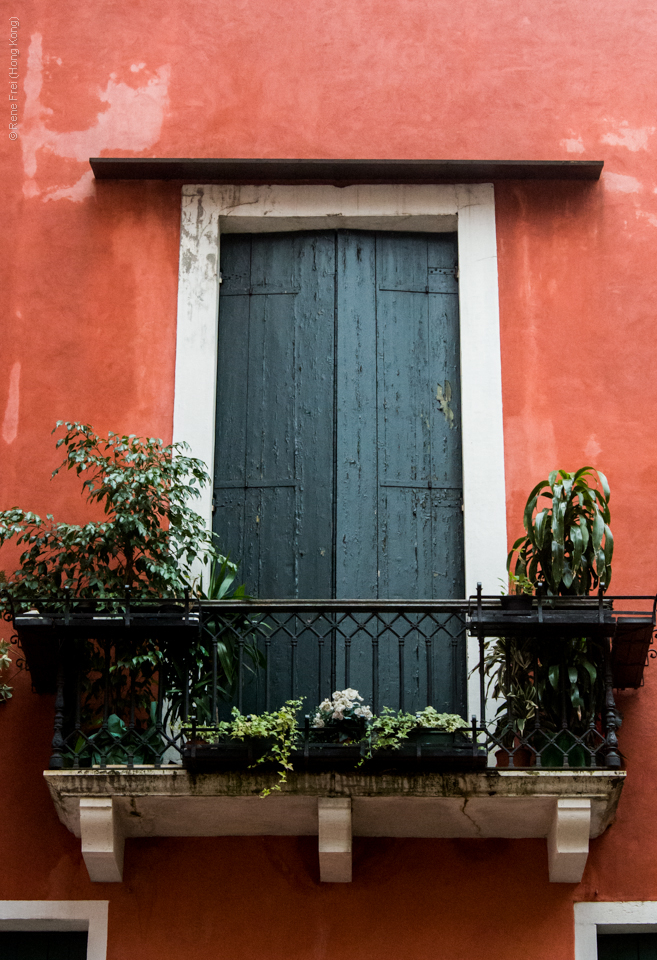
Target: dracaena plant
568, 544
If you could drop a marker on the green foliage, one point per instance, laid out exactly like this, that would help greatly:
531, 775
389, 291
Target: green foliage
149, 539
221, 585
530, 675
388, 730
445, 722
568, 544
190, 669
113, 742
5, 663
568, 547
279, 728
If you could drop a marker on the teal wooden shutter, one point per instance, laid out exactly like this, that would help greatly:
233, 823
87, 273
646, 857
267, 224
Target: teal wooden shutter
34, 945
338, 445
340, 480
273, 472
400, 489
399, 520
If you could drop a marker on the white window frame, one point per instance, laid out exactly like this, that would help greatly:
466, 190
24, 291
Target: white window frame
591, 919
60, 915
208, 211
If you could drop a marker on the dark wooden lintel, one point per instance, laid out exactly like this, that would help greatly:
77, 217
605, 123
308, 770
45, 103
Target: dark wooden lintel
340, 172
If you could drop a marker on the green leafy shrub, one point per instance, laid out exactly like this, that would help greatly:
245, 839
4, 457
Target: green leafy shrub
388, 730
567, 548
149, 540
568, 544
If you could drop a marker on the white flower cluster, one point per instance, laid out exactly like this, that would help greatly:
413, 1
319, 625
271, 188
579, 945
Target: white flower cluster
344, 705
449, 722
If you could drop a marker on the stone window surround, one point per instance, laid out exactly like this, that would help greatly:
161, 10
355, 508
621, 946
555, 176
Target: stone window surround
60, 916
210, 210
591, 919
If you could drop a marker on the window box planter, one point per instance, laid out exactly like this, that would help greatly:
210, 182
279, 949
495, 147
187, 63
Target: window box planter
237, 755
223, 755
40, 630
333, 755
630, 647
434, 749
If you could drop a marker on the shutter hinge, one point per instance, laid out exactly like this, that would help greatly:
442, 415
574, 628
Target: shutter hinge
456, 271
214, 506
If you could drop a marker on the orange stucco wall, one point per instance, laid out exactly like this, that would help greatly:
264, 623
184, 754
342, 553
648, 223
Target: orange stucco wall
89, 278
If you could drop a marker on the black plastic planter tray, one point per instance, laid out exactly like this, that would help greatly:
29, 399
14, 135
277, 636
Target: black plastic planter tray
42, 635
451, 752
629, 651
499, 621
430, 750
202, 757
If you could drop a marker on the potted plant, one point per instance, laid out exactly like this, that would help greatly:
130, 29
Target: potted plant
442, 739
342, 719
151, 542
550, 679
338, 728
265, 738
568, 544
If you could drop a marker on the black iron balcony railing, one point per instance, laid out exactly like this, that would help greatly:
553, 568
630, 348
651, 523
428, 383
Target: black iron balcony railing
151, 683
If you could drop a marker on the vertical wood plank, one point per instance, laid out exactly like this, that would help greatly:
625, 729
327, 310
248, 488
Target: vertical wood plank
229, 488
273, 467
356, 523
314, 400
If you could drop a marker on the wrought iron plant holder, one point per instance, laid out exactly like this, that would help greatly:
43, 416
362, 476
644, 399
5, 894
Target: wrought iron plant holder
160, 671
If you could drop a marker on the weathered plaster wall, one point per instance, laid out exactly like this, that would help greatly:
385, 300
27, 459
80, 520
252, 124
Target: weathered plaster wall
89, 278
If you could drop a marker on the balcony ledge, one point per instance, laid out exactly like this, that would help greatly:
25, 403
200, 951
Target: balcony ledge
106, 806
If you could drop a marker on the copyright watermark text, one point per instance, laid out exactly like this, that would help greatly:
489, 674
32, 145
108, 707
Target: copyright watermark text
13, 77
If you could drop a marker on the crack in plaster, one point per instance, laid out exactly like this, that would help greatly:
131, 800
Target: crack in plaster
468, 817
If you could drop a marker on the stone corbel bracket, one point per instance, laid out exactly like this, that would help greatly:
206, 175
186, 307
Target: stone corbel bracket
568, 839
103, 840
334, 816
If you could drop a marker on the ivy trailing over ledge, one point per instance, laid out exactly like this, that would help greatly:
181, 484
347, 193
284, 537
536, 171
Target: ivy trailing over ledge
335, 719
